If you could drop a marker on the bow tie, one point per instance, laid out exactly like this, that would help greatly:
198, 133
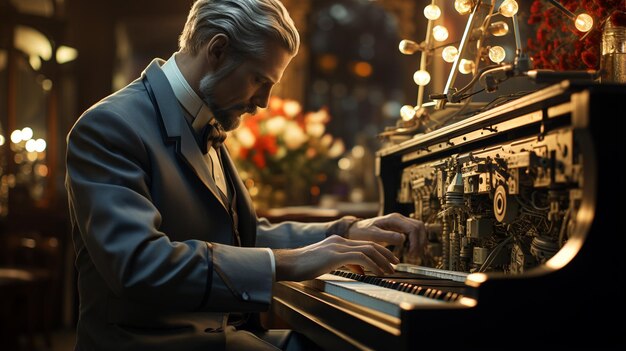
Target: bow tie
212, 135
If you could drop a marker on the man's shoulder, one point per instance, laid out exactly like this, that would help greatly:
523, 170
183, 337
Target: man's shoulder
130, 102
133, 95
128, 109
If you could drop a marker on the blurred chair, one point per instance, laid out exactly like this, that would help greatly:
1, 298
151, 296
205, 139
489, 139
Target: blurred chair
30, 272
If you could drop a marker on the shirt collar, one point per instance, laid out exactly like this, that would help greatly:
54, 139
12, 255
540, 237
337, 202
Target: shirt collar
187, 97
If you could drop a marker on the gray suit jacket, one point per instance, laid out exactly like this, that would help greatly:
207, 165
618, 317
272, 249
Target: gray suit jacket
155, 245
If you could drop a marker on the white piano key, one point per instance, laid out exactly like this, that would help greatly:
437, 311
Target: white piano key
431, 272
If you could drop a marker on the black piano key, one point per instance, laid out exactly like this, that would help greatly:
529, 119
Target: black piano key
418, 290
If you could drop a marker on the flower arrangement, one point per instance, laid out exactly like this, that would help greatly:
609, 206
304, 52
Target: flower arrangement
284, 154
558, 45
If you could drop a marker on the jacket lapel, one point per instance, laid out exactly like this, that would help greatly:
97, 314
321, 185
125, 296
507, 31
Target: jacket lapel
177, 128
245, 209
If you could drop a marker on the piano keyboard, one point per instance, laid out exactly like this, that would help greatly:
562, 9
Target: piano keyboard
390, 294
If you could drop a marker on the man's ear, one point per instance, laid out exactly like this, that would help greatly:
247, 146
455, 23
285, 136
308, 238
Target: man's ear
216, 50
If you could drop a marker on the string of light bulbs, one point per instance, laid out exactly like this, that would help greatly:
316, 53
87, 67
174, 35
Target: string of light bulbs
496, 54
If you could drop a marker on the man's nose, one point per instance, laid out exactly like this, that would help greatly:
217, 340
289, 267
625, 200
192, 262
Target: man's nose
262, 97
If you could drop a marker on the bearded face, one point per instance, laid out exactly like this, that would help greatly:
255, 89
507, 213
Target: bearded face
239, 85
227, 115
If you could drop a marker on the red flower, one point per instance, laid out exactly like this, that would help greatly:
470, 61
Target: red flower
266, 143
259, 160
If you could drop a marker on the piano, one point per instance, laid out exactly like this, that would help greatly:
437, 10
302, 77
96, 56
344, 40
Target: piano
526, 246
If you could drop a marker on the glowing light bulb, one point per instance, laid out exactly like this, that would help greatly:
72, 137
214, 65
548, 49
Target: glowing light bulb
432, 12
40, 145
16, 136
30, 145
466, 66
583, 22
449, 53
508, 8
499, 28
497, 54
440, 33
409, 47
463, 7
421, 77
35, 62
66, 54
27, 133
407, 112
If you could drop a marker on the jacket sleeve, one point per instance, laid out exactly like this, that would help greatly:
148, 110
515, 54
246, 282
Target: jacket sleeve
108, 185
242, 278
290, 234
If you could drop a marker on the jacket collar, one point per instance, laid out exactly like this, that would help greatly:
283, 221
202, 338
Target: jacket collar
187, 97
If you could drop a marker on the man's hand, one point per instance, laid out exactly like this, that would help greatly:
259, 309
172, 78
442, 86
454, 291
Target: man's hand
311, 261
392, 229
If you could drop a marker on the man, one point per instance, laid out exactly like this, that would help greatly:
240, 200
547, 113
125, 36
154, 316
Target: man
166, 239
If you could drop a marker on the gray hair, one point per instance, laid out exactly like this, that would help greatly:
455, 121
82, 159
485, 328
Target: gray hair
247, 23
